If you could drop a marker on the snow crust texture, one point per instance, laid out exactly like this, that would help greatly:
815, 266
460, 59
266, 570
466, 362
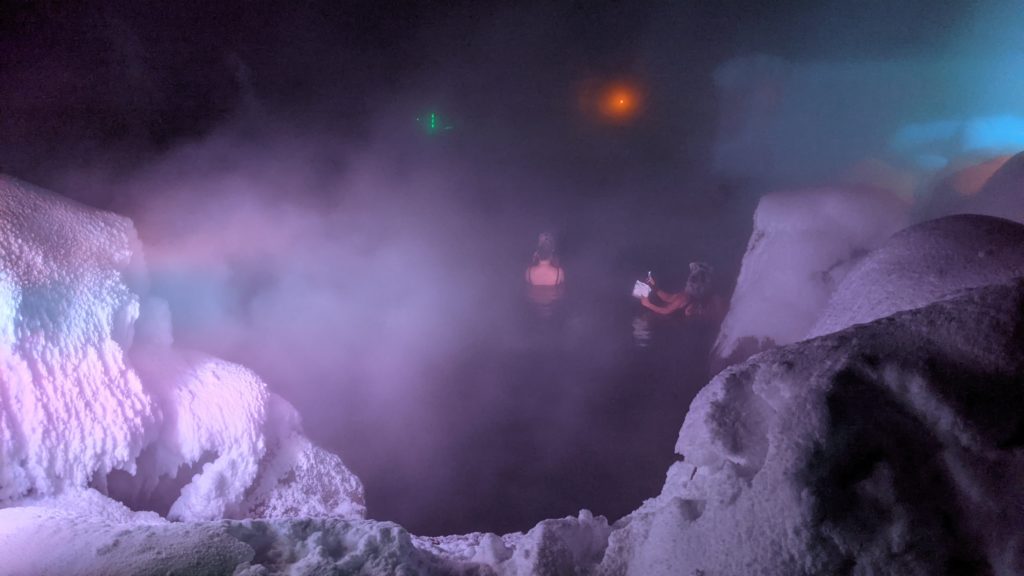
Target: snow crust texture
70, 406
93, 392
87, 534
803, 244
894, 447
923, 264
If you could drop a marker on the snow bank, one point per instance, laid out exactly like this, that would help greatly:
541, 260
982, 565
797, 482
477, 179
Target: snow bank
923, 264
88, 534
85, 399
802, 245
572, 545
893, 447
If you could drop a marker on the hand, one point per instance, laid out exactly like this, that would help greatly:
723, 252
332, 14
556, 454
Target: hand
645, 301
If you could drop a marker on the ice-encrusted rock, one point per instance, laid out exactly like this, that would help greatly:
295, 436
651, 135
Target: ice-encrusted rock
894, 447
802, 245
71, 407
923, 264
93, 392
299, 479
214, 414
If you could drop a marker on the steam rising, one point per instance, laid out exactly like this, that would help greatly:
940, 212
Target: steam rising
299, 221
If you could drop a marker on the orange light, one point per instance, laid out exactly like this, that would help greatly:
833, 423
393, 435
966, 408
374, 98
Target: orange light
619, 103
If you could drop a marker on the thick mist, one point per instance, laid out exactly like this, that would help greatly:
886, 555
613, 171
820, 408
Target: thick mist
344, 199
379, 288
372, 273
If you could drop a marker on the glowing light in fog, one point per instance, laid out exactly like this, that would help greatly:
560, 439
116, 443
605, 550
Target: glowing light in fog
615, 102
620, 103
433, 123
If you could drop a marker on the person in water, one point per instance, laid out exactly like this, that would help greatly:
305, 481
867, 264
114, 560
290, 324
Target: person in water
545, 278
697, 299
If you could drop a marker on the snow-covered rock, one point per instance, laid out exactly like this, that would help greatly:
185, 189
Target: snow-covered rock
802, 245
923, 264
214, 414
299, 479
71, 407
93, 392
893, 447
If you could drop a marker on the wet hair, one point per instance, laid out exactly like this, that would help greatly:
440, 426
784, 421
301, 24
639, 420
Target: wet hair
698, 284
545, 247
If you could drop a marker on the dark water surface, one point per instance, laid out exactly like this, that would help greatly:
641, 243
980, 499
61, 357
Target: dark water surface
591, 421
533, 415
571, 413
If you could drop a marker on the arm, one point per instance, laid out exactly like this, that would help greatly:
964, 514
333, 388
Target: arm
669, 307
665, 296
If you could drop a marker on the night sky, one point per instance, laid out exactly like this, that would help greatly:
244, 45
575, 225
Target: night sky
116, 83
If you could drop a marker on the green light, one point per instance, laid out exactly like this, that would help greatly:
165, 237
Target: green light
433, 123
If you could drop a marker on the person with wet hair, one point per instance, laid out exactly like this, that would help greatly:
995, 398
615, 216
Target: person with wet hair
545, 277
545, 270
697, 299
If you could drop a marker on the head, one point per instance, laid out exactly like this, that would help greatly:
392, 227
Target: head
545, 247
699, 282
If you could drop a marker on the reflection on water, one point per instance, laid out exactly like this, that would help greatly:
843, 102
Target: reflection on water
641, 330
545, 299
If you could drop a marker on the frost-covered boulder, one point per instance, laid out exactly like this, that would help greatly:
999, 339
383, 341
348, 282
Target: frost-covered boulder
894, 447
94, 393
299, 479
923, 264
213, 418
71, 407
802, 245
